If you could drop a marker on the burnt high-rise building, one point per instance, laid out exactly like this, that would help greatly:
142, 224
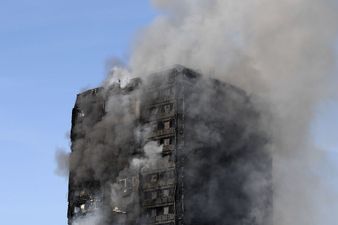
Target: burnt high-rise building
173, 148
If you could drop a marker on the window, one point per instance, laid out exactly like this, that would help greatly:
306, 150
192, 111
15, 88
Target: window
167, 141
76, 209
135, 181
83, 208
153, 178
153, 212
160, 126
154, 126
161, 142
147, 195
166, 193
123, 183
166, 210
170, 174
167, 125
153, 111
154, 195
168, 108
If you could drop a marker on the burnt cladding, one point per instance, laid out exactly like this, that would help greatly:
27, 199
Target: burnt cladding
213, 167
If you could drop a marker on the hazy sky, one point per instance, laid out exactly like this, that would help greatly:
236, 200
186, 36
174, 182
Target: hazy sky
49, 51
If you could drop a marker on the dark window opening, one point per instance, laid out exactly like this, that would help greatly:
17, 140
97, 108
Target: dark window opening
153, 111
167, 108
166, 141
160, 125
153, 178
167, 124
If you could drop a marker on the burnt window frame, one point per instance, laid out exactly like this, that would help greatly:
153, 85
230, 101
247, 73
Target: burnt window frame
153, 111
153, 178
167, 122
166, 193
168, 107
160, 125
154, 195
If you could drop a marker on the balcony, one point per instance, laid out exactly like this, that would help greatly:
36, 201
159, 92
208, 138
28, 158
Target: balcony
161, 183
167, 149
165, 99
162, 132
158, 201
162, 219
154, 116
161, 97
161, 115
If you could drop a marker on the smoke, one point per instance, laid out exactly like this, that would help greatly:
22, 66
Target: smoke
94, 218
104, 134
118, 75
62, 160
281, 51
152, 159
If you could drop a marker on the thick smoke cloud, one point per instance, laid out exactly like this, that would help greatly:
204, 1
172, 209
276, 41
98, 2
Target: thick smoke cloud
104, 133
281, 51
227, 166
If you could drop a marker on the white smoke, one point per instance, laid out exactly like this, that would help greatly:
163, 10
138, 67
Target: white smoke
119, 75
93, 218
152, 157
282, 51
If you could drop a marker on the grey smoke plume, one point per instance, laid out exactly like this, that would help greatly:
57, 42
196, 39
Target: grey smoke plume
104, 134
281, 51
62, 160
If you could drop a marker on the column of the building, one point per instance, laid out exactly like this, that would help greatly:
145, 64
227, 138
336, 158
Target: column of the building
159, 184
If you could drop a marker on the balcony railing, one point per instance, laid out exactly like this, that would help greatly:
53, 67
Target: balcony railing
161, 183
152, 116
161, 218
165, 114
162, 132
158, 201
168, 149
162, 98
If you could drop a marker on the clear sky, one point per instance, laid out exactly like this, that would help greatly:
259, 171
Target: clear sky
49, 51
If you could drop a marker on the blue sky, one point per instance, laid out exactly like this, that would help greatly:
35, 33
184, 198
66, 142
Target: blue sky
49, 51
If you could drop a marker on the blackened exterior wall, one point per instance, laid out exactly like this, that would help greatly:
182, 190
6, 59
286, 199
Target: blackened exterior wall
212, 150
84, 194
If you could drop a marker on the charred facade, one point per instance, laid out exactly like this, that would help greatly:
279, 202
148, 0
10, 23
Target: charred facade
213, 167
